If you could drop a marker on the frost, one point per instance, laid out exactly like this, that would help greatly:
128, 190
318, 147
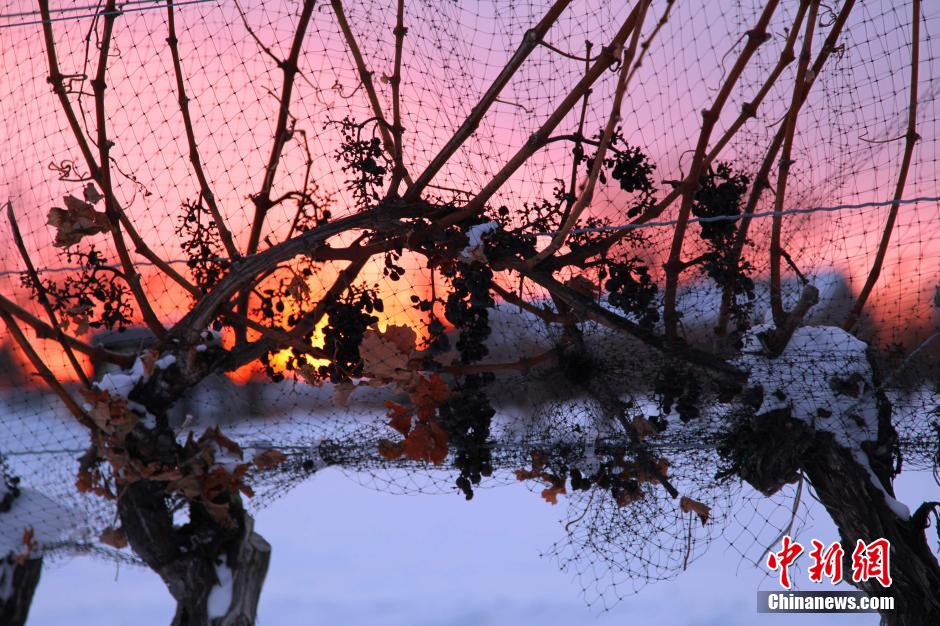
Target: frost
220, 597
824, 378
475, 250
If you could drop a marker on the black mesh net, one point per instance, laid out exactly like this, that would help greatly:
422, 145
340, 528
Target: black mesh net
559, 414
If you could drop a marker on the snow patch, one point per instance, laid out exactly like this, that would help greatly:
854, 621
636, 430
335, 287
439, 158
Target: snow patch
220, 597
122, 383
147, 418
165, 361
475, 251
824, 378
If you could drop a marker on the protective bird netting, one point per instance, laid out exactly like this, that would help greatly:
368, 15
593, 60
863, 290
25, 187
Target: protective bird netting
565, 388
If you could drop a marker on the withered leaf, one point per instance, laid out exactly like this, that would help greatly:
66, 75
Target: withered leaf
91, 193
30, 542
381, 357
149, 361
555, 488
214, 434
78, 220
297, 288
80, 315
404, 337
688, 505
427, 442
430, 392
188, 486
390, 450
110, 413
113, 537
643, 427
269, 459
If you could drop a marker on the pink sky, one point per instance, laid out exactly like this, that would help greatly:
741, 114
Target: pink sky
451, 54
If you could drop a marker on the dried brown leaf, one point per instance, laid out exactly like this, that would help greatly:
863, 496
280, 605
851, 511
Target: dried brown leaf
297, 288
643, 427
381, 357
113, 537
269, 459
688, 505
427, 442
78, 220
91, 193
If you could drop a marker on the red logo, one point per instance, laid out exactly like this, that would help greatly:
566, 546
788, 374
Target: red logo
872, 561
869, 561
784, 559
826, 563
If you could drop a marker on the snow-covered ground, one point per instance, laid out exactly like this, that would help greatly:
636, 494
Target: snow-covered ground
344, 554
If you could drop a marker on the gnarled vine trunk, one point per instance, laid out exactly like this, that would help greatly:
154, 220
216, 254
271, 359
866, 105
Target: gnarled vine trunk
188, 558
18, 582
860, 511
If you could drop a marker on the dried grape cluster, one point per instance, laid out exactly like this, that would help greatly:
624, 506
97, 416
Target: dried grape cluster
95, 296
720, 194
631, 289
678, 388
631, 168
365, 161
466, 416
347, 322
202, 245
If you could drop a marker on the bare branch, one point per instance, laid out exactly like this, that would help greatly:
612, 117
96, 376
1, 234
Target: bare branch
262, 199
911, 140
45, 331
589, 309
799, 84
289, 67
43, 296
43, 370
311, 243
748, 111
607, 56
530, 41
207, 194
398, 172
760, 179
755, 37
587, 194
366, 77
57, 80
